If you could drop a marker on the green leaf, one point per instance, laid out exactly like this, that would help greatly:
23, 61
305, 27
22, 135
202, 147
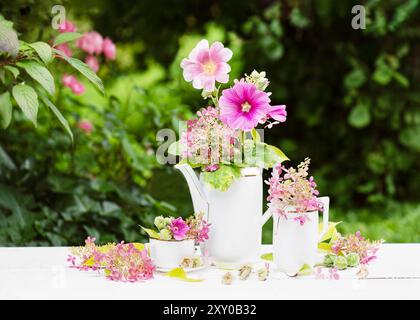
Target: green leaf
255, 135
151, 233
58, 114
43, 50
273, 156
6, 160
180, 274
8, 40
359, 116
5, 109
222, 178
40, 74
409, 137
324, 247
354, 79
66, 37
84, 69
13, 70
330, 231
306, 270
27, 99
267, 256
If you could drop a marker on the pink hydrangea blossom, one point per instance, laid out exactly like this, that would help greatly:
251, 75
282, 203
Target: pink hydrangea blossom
86, 126
207, 139
121, 262
355, 243
243, 106
291, 189
109, 49
67, 26
64, 47
91, 42
211, 167
206, 65
92, 62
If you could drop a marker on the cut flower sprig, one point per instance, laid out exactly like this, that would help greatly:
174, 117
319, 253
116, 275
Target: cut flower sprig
178, 229
291, 191
223, 137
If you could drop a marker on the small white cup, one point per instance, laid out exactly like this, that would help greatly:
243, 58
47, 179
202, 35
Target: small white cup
169, 253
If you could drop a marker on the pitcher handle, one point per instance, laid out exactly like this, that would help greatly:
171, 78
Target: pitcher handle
265, 217
325, 215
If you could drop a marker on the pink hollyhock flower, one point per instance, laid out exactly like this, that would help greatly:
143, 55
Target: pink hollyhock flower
243, 106
109, 49
67, 26
205, 65
278, 113
64, 47
91, 42
92, 62
179, 228
86, 126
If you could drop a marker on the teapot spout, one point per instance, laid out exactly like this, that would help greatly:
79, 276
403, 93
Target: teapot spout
199, 199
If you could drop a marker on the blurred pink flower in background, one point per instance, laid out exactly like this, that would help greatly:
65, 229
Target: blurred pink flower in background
85, 125
92, 62
243, 106
67, 26
71, 82
109, 49
64, 47
91, 42
206, 65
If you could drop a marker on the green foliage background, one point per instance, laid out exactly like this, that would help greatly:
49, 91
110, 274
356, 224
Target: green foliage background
352, 97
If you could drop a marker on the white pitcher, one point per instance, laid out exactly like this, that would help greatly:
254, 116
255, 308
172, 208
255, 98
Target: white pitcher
235, 216
294, 244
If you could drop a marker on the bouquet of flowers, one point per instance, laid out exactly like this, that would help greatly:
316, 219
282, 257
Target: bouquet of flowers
223, 137
290, 190
178, 229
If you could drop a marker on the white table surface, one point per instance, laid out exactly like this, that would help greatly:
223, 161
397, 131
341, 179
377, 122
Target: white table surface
43, 273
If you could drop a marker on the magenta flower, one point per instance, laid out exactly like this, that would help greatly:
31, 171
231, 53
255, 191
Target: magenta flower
278, 113
243, 106
205, 65
92, 62
86, 126
109, 49
67, 26
179, 228
91, 42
